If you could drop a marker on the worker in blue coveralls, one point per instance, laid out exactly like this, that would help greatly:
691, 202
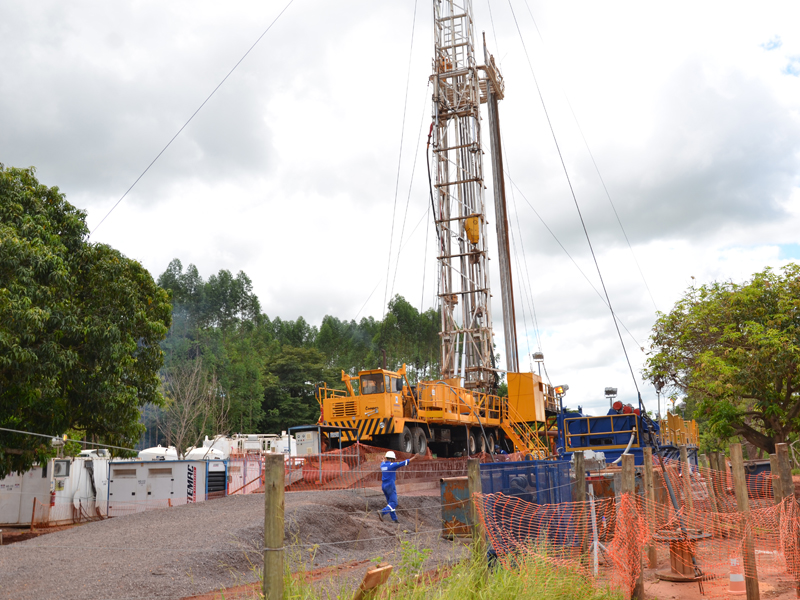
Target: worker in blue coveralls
388, 475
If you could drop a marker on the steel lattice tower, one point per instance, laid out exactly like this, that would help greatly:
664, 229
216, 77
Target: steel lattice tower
465, 299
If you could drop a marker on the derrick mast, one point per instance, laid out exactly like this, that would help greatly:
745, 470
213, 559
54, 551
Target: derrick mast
464, 293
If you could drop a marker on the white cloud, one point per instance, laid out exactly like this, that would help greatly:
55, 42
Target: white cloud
289, 171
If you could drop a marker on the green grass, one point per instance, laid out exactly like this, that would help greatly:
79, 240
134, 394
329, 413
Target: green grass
471, 579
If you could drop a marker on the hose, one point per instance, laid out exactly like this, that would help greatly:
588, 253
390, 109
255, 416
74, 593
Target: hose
630, 443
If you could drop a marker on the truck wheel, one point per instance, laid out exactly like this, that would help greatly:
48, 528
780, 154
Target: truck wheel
490, 442
404, 442
472, 443
420, 441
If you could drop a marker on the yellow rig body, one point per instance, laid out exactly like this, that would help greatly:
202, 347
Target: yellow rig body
383, 408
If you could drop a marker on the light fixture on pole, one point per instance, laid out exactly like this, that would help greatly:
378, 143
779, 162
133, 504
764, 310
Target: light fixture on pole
538, 357
659, 384
560, 390
611, 393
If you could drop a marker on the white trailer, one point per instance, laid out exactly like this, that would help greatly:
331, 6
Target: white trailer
65, 490
135, 486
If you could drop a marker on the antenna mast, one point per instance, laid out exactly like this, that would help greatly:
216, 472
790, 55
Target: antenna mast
465, 299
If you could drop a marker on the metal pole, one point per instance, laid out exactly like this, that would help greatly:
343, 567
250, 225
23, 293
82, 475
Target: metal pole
274, 481
595, 541
501, 219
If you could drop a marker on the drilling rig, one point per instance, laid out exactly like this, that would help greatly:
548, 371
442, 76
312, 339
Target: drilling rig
460, 413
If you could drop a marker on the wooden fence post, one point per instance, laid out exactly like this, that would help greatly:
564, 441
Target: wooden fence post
713, 461
580, 496
686, 478
743, 504
474, 487
787, 491
774, 471
784, 470
712, 493
274, 481
629, 487
650, 495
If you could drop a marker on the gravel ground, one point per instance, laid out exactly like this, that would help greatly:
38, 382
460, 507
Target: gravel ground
177, 552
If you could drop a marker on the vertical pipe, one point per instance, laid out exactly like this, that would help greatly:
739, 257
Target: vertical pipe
501, 223
595, 540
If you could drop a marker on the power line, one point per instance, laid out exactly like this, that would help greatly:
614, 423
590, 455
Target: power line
574, 198
214, 91
65, 439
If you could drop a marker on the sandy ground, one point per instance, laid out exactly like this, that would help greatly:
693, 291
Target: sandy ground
195, 549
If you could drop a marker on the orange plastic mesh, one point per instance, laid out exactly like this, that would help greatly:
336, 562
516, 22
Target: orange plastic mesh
704, 538
359, 467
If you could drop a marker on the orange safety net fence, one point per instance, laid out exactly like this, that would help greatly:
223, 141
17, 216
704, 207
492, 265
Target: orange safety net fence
359, 467
608, 538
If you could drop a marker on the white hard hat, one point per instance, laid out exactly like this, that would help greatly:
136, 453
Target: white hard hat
390, 454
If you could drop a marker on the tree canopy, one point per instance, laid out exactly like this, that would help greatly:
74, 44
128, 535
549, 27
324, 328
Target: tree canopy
267, 368
734, 351
80, 327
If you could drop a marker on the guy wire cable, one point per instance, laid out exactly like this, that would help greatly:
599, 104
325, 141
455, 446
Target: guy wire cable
597, 170
399, 158
410, 185
575, 200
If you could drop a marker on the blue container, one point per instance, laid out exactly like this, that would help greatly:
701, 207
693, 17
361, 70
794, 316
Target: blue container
759, 477
543, 483
537, 481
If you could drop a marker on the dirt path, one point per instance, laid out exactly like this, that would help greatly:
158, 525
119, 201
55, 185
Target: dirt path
195, 549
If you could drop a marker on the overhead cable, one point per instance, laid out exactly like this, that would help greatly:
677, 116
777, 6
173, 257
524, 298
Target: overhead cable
214, 91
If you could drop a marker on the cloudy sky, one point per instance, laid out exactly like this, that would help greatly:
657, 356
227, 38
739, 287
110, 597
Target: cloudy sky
294, 172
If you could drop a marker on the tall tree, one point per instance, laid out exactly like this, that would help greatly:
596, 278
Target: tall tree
735, 350
289, 394
80, 326
195, 406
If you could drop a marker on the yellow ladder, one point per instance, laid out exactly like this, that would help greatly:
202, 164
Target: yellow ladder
523, 436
